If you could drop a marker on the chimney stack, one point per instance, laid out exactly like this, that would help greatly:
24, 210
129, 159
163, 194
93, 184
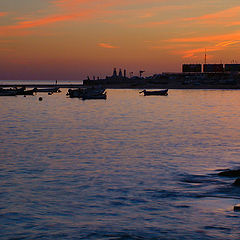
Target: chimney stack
120, 72
114, 72
125, 73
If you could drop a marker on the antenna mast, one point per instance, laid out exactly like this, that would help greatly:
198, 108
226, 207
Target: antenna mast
205, 57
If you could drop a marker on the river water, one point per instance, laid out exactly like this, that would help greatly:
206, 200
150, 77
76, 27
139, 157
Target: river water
129, 167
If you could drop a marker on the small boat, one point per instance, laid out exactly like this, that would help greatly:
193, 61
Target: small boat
52, 90
94, 96
8, 93
16, 91
87, 93
163, 92
27, 92
75, 93
23, 91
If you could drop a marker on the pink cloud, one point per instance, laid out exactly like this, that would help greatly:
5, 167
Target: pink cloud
106, 45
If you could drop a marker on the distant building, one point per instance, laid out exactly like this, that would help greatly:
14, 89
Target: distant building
232, 67
213, 68
189, 68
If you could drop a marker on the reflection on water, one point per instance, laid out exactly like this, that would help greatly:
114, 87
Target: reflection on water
129, 167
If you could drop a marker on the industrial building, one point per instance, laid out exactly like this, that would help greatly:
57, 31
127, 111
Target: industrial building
232, 67
210, 68
190, 68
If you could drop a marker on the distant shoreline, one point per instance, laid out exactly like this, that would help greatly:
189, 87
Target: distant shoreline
129, 86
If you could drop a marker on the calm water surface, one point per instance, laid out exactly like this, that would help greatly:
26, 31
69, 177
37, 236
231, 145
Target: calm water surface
129, 167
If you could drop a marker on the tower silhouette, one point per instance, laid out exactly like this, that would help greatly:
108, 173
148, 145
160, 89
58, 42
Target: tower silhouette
114, 72
120, 72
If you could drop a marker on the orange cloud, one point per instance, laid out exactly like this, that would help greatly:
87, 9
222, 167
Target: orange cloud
118, 6
73, 4
2, 14
228, 43
216, 42
222, 37
154, 24
43, 21
219, 17
106, 45
70, 14
193, 53
234, 23
83, 9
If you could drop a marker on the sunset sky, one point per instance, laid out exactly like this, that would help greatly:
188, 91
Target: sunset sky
72, 39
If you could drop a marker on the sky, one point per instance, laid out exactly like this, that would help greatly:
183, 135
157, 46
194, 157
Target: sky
73, 39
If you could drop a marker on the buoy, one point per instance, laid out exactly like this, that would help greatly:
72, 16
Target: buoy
40, 99
237, 208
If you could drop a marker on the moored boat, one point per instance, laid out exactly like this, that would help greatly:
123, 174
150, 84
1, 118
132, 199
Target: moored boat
16, 91
8, 93
163, 92
87, 93
75, 93
52, 89
95, 96
23, 91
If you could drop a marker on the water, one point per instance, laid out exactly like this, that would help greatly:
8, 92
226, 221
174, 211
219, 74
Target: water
129, 167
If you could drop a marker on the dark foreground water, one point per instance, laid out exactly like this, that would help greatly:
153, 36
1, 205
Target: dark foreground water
130, 167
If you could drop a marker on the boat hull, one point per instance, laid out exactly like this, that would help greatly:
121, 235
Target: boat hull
155, 93
8, 93
56, 89
87, 93
26, 92
99, 96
